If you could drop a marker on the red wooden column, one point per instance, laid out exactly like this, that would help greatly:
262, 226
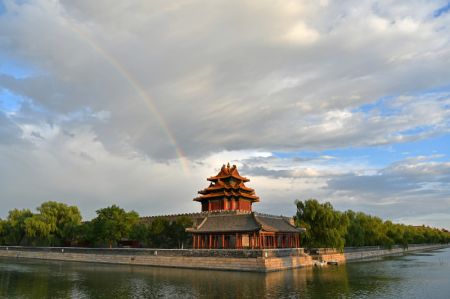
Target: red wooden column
210, 241
253, 241
195, 241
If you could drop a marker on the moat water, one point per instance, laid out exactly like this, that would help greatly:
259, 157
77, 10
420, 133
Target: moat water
423, 275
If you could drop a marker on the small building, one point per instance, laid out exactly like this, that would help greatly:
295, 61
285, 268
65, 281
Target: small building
229, 221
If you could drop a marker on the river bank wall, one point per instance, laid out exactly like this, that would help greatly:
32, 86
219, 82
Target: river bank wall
364, 253
254, 260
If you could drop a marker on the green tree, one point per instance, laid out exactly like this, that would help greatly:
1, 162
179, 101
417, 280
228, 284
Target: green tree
355, 231
2, 231
178, 232
62, 221
84, 234
158, 233
140, 232
325, 227
38, 230
113, 223
14, 227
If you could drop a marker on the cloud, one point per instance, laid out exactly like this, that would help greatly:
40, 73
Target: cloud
229, 81
9, 131
116, 94
414, 187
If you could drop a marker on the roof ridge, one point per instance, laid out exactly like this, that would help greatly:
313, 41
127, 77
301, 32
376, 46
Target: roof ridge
272, 216
201, 223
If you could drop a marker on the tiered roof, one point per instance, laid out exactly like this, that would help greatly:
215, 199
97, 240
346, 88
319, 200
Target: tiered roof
227, 184
245, 223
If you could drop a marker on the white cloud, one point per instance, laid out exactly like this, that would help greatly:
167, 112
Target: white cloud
118, 92
301, 34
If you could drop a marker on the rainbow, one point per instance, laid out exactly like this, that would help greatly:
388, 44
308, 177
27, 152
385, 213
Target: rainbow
142, 94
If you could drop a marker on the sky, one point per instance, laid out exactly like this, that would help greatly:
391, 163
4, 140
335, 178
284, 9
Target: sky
137, 103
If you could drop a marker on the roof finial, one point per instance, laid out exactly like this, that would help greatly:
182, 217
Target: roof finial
228, 165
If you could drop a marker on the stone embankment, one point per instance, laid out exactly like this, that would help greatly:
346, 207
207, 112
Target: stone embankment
352, 254
254, 260
363, 253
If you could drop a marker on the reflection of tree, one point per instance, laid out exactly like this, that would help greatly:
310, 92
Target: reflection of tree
51, 279
33, 280
329, 282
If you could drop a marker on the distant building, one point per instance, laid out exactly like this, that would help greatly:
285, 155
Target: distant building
226, 220
230, 222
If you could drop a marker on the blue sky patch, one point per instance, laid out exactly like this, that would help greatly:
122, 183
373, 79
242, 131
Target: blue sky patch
14, 69
443, 10
2, 7
9, 101
438, 146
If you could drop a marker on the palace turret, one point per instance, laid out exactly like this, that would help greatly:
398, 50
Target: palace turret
228, 192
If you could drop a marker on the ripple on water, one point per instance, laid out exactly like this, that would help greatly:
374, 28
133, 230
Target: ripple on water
412, 276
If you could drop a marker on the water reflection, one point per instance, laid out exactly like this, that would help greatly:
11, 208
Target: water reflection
414, 276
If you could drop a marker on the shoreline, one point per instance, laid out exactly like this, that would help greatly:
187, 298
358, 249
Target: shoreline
249, 260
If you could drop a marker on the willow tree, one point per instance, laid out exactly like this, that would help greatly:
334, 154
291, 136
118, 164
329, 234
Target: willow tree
325, 227
2, 231
14, 226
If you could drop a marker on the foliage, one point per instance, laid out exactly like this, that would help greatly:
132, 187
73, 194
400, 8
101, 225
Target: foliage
14, 227
59, 224
325, 227
84, 235
113, 224
55, 224
158, 233
178, 231
2, 231
61, 219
